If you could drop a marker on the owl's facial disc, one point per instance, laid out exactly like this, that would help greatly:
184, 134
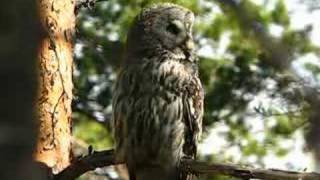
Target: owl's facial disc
177, 37
177, 34
182, 42
165, 27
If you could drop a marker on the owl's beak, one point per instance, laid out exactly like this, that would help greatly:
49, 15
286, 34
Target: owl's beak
188, 48
189, 44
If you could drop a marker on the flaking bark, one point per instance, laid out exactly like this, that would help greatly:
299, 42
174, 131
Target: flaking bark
55, 61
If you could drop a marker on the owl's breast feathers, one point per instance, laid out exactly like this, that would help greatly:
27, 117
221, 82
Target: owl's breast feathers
157, 112
181, 78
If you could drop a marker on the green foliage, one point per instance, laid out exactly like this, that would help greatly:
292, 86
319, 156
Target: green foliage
220, 24
207, 66
280, 14
313, 68
92, 133
231, 80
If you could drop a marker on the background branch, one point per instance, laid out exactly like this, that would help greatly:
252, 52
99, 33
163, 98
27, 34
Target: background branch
106, 158
86, 4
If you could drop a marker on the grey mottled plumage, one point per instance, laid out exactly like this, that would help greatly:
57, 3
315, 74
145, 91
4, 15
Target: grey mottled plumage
158, 97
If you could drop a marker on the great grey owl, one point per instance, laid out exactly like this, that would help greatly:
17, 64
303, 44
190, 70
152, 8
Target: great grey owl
158, 97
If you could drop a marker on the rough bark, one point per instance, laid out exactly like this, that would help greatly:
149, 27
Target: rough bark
55, 59
19, 37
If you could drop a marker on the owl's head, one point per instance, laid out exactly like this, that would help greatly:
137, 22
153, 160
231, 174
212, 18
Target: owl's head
162, 28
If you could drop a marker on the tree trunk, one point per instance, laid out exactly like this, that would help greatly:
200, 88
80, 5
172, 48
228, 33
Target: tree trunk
19, 37
55, 60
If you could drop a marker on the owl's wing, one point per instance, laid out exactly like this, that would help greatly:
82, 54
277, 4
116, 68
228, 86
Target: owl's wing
193, 112
120, 109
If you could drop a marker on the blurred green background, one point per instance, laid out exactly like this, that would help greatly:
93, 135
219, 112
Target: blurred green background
259, 64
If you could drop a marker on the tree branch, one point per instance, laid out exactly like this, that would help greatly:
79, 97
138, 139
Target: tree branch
106, 158
87, 163
245, 173
86, 4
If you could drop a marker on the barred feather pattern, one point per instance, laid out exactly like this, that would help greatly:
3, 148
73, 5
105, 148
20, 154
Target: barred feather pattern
157, 108
157, 113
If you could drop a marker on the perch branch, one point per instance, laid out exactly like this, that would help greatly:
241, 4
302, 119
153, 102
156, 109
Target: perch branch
87, 163
106, 158
245, 173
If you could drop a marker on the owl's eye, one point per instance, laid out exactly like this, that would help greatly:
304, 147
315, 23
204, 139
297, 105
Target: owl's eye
174, 27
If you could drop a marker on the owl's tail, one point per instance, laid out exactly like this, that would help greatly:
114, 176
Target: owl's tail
157, 173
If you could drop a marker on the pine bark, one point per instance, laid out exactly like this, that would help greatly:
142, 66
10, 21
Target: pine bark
55, 62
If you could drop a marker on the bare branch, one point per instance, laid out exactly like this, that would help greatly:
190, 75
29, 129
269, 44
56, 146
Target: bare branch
87, 163
246, 173
106, 158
